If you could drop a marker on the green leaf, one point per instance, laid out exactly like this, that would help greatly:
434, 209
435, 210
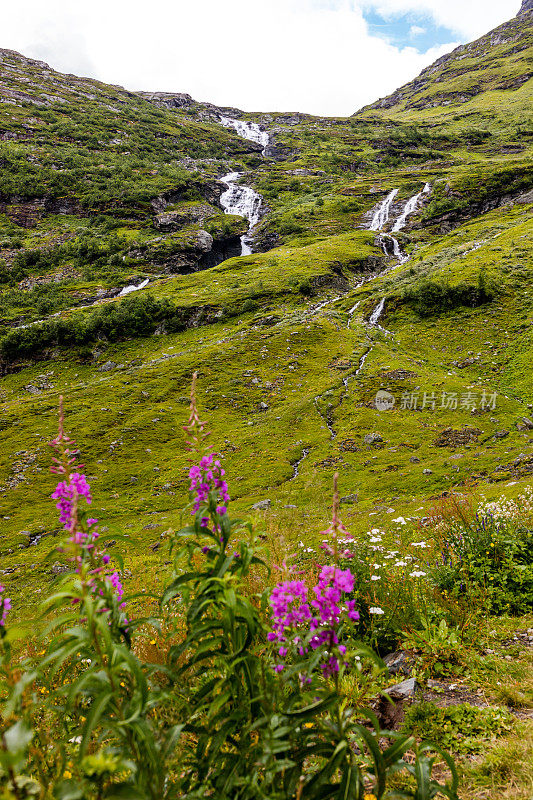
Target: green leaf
97, 709
17, 737
69, 790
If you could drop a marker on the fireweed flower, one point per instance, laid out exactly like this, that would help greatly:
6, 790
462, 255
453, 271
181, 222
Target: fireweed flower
91, 563
205, 478
66, 492
5, 606
301, 624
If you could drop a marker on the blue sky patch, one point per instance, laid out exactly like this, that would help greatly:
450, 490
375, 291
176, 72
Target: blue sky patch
408, 30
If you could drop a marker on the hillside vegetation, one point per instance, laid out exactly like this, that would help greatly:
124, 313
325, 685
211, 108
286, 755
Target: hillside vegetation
285, 341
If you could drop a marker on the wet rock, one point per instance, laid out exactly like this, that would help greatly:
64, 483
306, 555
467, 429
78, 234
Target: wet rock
262, 505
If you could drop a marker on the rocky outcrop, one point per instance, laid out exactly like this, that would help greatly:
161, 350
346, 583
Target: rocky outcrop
168, 99
527, 7
28, 213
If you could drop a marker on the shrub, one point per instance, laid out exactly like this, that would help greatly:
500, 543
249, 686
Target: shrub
488, 557
431, 296
131, 317
459, 728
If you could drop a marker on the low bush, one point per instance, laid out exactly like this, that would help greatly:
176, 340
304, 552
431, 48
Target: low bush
488, 557
461, 728
131, 317
434, 296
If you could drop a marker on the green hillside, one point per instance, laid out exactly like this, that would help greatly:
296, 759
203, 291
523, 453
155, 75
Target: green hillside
88, 170
375, 323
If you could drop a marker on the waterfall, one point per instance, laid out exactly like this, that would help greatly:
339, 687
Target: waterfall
133, 288
248, 130
238, 199
245, 202
409, 208
381, 215
376, 314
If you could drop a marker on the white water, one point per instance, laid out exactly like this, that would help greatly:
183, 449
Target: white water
410, 207
245, 202
382, 212
133, 288
238, 199
248, 130
376, 314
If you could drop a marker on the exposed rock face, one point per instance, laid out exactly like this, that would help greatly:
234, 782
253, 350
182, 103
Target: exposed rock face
527, 7
27, 213
168, 99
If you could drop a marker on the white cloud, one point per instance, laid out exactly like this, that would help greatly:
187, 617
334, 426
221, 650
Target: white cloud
307, 55
416, 30
469, 18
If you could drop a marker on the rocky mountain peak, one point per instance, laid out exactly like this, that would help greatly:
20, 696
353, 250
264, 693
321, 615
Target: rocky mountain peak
527, 7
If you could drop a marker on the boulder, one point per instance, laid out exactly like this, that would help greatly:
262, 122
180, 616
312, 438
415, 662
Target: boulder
262, 505
372, 438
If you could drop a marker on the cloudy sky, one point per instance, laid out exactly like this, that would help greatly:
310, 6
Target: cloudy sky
320, 56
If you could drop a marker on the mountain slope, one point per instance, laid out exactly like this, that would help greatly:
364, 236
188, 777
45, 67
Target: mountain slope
293, 341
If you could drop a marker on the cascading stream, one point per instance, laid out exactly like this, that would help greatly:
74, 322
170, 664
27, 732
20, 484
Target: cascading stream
247, 130
382, 212
245, 202
410, 207
239, 199
379, 219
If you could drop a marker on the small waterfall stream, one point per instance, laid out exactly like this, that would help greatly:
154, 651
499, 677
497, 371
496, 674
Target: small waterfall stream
245, 202
239, 199
380, 218
382, 212
248, 130
410, 207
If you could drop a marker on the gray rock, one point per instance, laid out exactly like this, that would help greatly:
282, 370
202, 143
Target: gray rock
263, 406
134, 479
58, 568
350, 499
262, 505
399, 662
525, 424
414, 460
107, 367
204, 241
403, 690
501, 434
427, 471
373, 438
